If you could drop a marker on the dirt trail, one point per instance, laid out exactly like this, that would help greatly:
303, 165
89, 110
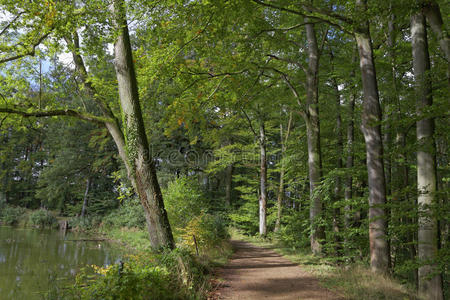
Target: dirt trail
259, 273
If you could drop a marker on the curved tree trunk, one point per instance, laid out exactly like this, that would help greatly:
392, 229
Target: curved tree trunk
371, 119
142, 167
430, 288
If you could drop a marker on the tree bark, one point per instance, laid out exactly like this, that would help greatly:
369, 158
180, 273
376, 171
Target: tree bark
433, 14
430, 288
85, 198
142, 167
263, 180
371, 118
313, 139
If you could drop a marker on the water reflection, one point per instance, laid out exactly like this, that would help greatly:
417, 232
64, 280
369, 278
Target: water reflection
32, 261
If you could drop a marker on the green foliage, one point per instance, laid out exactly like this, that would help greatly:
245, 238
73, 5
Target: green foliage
209, 231
170, 275
10, 215
62, 183
205, 87
90, 222
246, 217
129, 214
184, 200
295, 233
43, 218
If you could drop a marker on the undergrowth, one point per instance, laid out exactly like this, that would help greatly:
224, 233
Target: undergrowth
175, 274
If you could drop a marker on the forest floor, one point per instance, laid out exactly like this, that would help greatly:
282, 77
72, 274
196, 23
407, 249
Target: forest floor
259, 273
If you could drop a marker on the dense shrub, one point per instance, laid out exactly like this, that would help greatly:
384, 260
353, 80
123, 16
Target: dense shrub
171, 275
10, 215
42, 218
209, 231
246, 217
86, 223
295, 232
130, 214
184, 200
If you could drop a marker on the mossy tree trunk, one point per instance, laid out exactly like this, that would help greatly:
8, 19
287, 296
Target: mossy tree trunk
142, 168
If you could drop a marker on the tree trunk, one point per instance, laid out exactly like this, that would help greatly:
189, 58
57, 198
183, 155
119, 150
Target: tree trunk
263, 181
433, 14
280, 196
430, 288
228, 184
142, 166
371, 118
313, 138
85, 199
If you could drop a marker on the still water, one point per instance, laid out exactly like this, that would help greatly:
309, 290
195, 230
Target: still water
34, 261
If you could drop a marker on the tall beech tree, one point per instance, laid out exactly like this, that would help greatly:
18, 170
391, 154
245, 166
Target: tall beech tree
371, 127
430, 284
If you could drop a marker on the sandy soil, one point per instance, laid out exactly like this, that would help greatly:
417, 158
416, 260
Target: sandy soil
259, 273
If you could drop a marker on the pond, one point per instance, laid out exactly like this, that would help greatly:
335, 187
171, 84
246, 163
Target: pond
34, 261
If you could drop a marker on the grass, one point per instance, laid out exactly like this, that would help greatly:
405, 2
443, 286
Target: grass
134, 239
353, 281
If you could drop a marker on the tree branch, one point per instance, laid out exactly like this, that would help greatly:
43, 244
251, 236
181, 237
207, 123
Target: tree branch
282, 29
11, 22
249, 123
192, 39
288, 61
57, 112
30, 52
315, 13
82, 71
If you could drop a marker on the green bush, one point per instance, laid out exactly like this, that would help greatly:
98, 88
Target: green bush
43, 218
184, 200
85, 224
10, 215
170, 275
246, 217
209, 230
295, 232
130, 214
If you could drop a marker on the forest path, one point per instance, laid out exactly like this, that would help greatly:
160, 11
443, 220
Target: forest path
260, 273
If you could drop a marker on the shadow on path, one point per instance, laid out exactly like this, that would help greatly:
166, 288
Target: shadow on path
260, 273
